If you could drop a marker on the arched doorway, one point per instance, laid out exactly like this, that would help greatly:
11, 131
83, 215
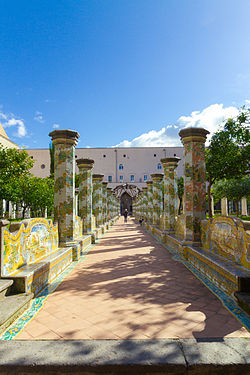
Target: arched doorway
126, 203
126, 193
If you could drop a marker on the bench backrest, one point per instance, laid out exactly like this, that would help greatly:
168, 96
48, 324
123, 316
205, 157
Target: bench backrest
27, 242
227, 237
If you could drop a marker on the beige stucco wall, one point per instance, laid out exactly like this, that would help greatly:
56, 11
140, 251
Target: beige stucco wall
136, 161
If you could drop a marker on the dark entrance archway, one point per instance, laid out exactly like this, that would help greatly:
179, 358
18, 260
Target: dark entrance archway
126, 203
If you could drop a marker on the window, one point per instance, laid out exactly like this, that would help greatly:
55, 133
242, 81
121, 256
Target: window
154, 155
159, 166
124, 155
121, 178
109, 178
104, 156
140, 180
120, 166
75, 156
43, 166
132, 178
145, 177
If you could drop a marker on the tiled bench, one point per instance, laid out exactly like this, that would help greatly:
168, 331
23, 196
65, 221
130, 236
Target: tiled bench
30, 254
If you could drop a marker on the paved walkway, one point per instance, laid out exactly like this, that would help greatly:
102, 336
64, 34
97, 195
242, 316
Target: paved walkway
129, 287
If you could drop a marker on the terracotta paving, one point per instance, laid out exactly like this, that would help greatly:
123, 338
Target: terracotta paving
130, 287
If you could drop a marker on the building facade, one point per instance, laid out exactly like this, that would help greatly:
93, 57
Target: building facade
133, 165
5, 141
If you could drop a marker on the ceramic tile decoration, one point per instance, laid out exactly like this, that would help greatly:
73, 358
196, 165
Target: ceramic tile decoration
194, 140
85, 193
35, 239
150, 201
170, 193
97, 198
157, 197
64, 142
226, 237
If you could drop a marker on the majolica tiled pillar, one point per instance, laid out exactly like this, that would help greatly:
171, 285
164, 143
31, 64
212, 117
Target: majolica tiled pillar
97, 198
64, 142
157, 197
145, 202
104, 202
170, 193
194, 140
85, 193
109, 203
150, 201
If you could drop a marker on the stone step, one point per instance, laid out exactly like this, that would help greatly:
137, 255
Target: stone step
11, 307
243, 300
4, 285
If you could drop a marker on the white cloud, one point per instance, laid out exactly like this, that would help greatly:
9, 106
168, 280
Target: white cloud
153, 138
247, 101
39, 117
56, 126
209, 118
10, 120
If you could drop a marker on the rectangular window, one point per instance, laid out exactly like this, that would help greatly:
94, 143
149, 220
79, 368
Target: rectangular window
145, 177
109, 178
121, 178
132, 178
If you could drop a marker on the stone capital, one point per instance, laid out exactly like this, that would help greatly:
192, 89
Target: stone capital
98, 177
193, 134
149, 183
64, 136
144, 189
157, 176
85, 163
104, 183
170, 162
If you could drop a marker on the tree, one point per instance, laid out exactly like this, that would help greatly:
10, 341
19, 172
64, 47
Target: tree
233, 189
228, 153
35, 193
180, 192
13, 164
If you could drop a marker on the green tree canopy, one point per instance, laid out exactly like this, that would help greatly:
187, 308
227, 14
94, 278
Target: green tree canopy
32, 192
233, 189
13, 164
228, 153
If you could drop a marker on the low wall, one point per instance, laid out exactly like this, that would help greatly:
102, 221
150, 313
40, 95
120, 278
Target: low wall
27, 242
227, 237
223, 255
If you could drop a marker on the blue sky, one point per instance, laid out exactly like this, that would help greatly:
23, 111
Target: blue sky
121, 72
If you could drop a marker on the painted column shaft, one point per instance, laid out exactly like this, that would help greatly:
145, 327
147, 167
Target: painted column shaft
144, 202
150, 201
157, 197
85, 193
194, 140
97, 198
64, 142
170, 192
104, 202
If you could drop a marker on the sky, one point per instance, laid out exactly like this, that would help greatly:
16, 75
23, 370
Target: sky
121, 72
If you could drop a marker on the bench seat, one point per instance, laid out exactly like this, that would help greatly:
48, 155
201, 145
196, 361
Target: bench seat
36, 276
